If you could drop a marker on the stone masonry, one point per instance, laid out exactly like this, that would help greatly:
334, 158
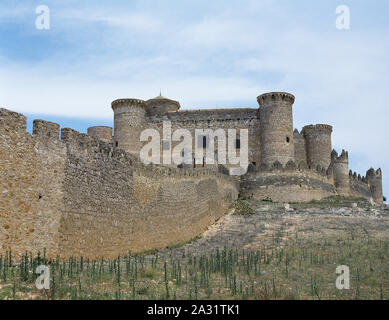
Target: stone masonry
89, 194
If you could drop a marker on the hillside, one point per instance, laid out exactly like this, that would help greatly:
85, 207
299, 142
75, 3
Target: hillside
259, 250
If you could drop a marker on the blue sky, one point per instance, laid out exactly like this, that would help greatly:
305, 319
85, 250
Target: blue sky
204, 54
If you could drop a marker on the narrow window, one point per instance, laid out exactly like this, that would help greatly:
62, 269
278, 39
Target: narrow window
116, 144
237, 143
204, 141
287, 139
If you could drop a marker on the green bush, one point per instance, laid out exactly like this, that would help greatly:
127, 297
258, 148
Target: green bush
242, 207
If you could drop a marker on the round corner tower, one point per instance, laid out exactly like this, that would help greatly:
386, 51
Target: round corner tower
318, 144
129, 122
341, 172
161, 105
374, 179
276, 122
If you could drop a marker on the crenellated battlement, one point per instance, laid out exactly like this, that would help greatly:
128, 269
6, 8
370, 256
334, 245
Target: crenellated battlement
315, 128
291, 167
88, 145
101, 132
342, 158
289, 182
275, 96
46, 129
128, 102
357, 177
371, 173
10, 120
297, 134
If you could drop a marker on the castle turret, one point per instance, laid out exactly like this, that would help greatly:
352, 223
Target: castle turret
276, 122
341, 173
101, 132
374, 179
300, 153
161, 105
318, 144
129, 122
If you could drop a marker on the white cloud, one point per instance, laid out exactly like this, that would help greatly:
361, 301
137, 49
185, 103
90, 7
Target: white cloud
224, 56
132, 22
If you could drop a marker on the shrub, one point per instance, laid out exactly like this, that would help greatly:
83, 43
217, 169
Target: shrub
242, 207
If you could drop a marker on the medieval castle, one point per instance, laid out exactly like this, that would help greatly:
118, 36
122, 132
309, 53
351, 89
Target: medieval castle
89, 194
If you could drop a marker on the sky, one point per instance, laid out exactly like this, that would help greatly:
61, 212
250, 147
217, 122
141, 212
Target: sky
205, 54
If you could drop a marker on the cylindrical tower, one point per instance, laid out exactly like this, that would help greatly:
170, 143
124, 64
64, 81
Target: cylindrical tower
341, 174
161, 105
318, 144
101, 132
276, 123
374, 179
129, 122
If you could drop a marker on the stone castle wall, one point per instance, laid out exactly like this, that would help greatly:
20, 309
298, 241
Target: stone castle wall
31, 188
101, 132
289, 183
215, 119
359, 186
90, 195
83, 196
292, 183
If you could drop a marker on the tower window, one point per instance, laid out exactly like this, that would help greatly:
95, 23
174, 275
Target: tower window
204, 141
287, 139
237, 143
116, 144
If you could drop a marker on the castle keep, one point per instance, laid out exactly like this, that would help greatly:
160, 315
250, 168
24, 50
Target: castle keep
89, 194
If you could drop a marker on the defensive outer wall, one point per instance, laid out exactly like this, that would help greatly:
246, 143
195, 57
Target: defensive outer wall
89, 195
81, 196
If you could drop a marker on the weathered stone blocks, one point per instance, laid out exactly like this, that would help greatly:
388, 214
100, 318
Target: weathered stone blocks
276, 122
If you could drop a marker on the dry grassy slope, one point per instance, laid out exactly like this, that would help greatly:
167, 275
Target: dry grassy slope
272, 224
